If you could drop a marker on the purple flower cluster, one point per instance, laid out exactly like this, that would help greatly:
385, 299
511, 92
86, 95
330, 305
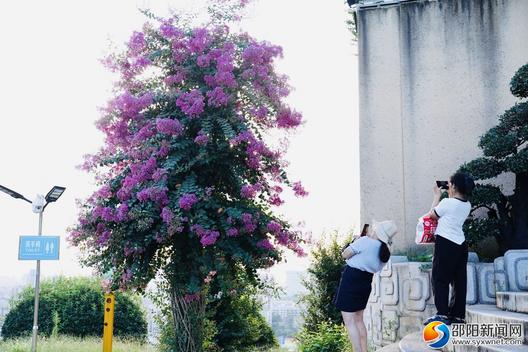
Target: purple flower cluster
139, 173
249, 222
137, 43
200, 40
187, 201
299, 190
288, 119
191, 103
274, 227
130, 105
250, 191
201, 138
169, 126
176, 78
122, 213
232, 232
155, 194
166, 215
266, 244
217, 97
207, 237
168, 31
255, 148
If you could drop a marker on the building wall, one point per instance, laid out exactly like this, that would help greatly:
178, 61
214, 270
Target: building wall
433, 77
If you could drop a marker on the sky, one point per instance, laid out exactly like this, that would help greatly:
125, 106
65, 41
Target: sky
52, 83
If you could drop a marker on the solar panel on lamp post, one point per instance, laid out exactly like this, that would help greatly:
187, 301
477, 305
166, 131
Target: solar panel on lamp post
51, 197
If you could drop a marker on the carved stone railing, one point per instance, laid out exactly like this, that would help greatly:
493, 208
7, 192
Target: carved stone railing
402, 296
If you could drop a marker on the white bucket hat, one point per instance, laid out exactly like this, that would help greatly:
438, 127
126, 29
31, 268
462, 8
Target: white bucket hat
385, 230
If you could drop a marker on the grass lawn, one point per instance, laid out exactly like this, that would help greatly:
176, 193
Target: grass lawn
72, 344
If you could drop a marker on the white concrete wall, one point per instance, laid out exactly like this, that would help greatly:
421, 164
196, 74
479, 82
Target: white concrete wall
433, 77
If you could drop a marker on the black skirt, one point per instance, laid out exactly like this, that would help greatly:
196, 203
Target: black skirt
354, 290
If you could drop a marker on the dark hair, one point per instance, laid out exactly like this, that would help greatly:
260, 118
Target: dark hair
384, 252
463, 183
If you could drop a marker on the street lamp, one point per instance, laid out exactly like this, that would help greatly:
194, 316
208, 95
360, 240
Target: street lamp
39, 204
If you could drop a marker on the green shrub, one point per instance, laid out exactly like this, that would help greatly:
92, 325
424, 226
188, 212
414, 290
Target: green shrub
74, 306
328, 337
323, 278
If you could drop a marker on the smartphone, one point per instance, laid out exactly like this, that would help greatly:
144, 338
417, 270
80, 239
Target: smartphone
442, 184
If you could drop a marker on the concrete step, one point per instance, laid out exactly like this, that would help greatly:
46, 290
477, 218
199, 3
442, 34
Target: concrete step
487, 313
395, 347
522, 348
513, 301
460, 348
414, 343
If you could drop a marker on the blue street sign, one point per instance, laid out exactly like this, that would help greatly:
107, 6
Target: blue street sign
38, 248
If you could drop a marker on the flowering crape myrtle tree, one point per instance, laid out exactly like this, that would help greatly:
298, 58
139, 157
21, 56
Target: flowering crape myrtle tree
186, 180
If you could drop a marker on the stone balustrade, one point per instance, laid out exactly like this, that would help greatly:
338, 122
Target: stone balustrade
402, 296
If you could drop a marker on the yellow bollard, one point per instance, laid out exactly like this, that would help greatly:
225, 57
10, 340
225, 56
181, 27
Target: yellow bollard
108, 329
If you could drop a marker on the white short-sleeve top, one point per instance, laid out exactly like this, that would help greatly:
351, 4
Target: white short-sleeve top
452, 213
367, 255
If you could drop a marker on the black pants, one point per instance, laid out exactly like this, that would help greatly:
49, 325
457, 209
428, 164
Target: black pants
450, 268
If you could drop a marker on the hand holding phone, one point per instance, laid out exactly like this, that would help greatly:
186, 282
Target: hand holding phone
442, 184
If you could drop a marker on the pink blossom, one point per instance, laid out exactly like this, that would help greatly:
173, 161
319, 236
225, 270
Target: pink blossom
137, 42
276, 200
210, 238
299, 189
274, 227
191, 103
249, 223
203, 60
199, 41
217, 97
159, 175
168, 31
288, 119
174, 79
250, 191
232, 232
103, 238
187, 201
166, 215
180, 50
209, 276
107, 214
201, 138
104, 192
209, 191
122, 213
169, 126
266, 244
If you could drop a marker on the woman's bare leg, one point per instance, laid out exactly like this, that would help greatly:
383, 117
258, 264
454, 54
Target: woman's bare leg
362, 329
353, 332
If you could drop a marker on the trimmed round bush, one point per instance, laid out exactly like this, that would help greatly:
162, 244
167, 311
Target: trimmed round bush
74, 306
519, 82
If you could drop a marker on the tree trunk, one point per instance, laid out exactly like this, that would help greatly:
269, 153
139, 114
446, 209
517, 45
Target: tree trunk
188, 313
519, 239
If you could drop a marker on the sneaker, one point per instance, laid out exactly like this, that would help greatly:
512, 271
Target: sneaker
441, 318
455, 320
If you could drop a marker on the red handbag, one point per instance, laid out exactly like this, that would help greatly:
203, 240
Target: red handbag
425, 230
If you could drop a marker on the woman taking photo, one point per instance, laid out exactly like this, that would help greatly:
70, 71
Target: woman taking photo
450, 249
364, 257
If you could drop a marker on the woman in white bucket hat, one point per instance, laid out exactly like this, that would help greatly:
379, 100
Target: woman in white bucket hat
364, 257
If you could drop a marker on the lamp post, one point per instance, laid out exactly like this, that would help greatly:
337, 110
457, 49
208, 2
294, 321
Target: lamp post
39, 205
